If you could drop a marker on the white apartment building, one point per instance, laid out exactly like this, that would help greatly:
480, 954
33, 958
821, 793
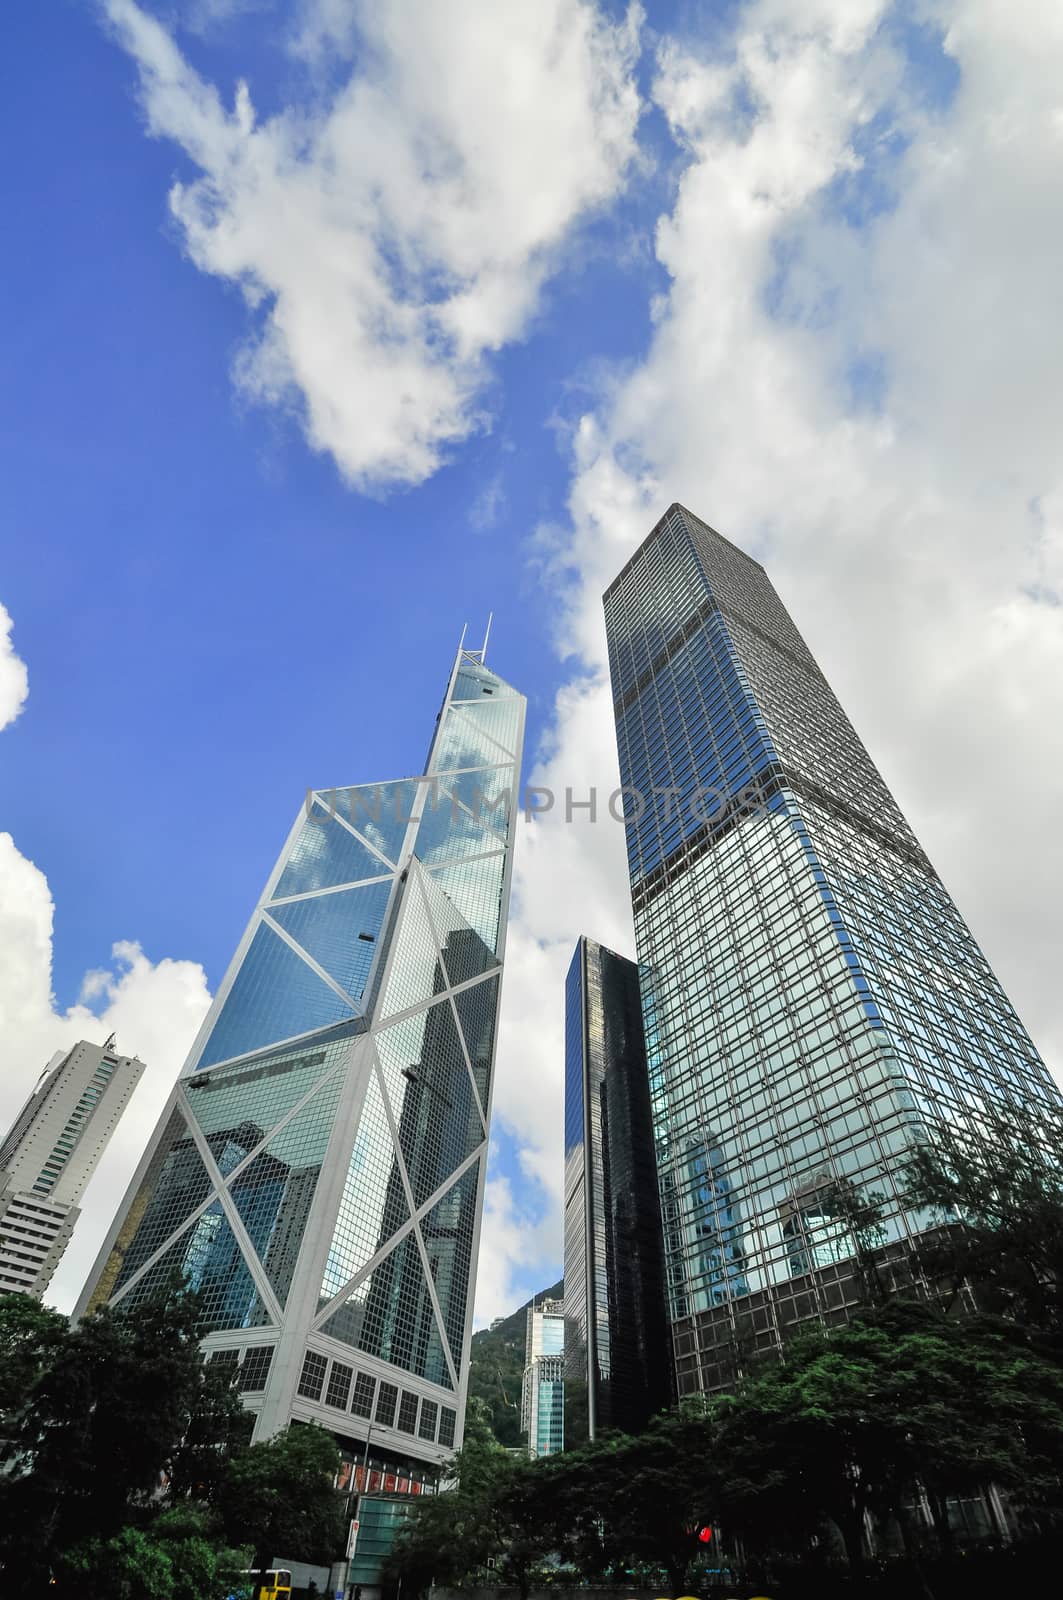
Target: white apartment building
51, 1152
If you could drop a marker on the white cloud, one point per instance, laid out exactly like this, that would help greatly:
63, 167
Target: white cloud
569, 879
488, 505
14, 683
919, 540
511, 1234
391, 238
155, 1009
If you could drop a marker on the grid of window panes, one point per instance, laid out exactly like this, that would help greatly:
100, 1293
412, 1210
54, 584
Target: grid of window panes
387, 1400
578, 1335
429, 1087
388, 896
813, 997
407, 1421
616, 1372
80, 1116
312, 1377
549, 1424
426, 1427
281, 1105
254, 1369
339, 1385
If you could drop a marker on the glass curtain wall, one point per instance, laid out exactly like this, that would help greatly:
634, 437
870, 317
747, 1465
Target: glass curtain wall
813, 1000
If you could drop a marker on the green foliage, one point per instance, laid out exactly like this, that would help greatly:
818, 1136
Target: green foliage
118, 1440
29, 1339
122, 1403
621, 1502
126, 1567
279, 1496
999, 1198
481, 1529
900, 1402
496, 1367
188, 1534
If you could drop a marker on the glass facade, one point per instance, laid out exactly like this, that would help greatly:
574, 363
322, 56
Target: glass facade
617, 1355
813, 1001
543, 1389
319, 1174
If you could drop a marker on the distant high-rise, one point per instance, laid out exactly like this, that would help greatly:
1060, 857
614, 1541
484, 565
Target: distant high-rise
51, 1152
318, 1176
542, 1412
813, 1000
617, 1349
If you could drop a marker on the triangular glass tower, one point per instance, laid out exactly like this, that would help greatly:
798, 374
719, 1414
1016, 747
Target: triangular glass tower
318, 1175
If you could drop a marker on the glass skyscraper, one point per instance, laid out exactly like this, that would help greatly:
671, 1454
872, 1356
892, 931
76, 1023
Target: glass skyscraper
542, 1409
318, 1175
617, 1351
813, 1000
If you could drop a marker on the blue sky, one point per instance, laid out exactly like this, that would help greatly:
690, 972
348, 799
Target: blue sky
214, 620
795, 264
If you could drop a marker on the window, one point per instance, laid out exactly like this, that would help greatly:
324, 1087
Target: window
255, 1370
429, 1413
313, 1375
447, 1419
385, 1404
408, 1412
362, 1401
339, 1385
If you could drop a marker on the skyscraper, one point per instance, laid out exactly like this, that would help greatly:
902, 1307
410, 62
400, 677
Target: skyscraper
51, 1152
617, 1350
318, 1175
542, 1409
813, 1000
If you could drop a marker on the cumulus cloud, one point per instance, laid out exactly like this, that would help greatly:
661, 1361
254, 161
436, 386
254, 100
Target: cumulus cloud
854, 374
14, 683
512, 1231
154, 1008
389, 236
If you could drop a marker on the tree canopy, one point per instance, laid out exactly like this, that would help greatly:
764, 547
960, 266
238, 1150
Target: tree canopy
126, 1467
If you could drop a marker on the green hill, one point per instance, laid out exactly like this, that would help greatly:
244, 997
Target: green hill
497, 1366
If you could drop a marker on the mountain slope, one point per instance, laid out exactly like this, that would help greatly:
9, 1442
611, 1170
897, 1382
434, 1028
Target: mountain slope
497, 1366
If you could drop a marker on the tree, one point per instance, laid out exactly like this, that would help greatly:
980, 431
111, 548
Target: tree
125, 1567
998, 1195
30, 1336
110, 1413
622, 1502
496, 1365
454, 1535
861, 1418
279, 1496
113, 1410
189, 1534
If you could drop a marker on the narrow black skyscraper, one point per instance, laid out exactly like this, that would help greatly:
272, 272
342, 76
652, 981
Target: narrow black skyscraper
814, 1002
617, 1356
